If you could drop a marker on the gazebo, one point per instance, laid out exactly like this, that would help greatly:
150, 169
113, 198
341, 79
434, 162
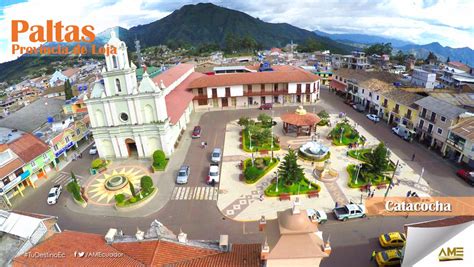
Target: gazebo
300, 122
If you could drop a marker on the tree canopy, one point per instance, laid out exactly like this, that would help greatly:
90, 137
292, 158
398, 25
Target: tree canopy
290, 172
379, 49
377, 159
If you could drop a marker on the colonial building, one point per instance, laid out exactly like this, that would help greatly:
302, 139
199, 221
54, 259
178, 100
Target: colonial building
131, 119
284, 84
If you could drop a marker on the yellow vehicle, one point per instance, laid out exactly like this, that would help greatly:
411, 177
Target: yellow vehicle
393, 239
388, 257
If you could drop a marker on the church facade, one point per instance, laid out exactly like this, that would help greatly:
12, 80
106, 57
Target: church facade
131, 119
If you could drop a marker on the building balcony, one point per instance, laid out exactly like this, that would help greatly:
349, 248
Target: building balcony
408, 116
433, 120
385, 105
264, 93
199, 97
396, 110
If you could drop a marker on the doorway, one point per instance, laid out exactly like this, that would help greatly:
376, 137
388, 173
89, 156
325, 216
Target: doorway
225, 102
131, 147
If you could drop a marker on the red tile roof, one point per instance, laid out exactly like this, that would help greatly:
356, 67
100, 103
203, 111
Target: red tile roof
178, 100
171, 75
144, 253
69, 72
28, 147
159, 253
337, 85
10, 167
69, 242
307, 119
281, 74
241, 255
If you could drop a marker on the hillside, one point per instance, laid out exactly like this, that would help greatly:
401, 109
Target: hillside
208, 23
362, 38
464, 54
192, 24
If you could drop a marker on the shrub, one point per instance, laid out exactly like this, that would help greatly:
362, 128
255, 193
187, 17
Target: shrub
159, 158
259, 163
132, 189
74, 188
120, 198
97, 163
251, 173
146, 184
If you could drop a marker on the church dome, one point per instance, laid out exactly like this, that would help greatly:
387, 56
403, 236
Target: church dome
294, 222
97, 90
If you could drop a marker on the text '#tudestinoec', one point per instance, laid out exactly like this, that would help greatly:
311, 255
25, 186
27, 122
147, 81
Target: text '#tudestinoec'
57, 36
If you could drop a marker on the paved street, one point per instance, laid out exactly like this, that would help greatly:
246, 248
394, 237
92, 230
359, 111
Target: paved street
193, 209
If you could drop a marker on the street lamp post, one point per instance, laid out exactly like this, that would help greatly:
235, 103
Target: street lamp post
251, 149
271, 141
358, 171
342, 133
278, 174
421, 175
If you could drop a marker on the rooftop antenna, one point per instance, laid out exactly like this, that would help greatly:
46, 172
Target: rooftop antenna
139, 55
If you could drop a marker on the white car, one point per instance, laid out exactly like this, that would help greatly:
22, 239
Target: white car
216, 155
54, 194
373, 117
93, 150
317, 215
213, 173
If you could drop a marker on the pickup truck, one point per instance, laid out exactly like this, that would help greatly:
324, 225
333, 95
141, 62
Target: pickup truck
349, 211
317, 215
213, 173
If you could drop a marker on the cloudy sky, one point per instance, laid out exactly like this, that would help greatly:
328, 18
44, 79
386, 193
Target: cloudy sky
448, 22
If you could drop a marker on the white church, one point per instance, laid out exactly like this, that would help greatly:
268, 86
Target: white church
135, 119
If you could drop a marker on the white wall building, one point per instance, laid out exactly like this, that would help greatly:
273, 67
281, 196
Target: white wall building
131, 119
422, 78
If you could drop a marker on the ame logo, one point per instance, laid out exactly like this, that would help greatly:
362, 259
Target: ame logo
451, 254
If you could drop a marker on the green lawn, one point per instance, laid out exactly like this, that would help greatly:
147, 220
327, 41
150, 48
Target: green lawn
364, 177
360, 154
265, 146
303, 187
349, 135
252, 173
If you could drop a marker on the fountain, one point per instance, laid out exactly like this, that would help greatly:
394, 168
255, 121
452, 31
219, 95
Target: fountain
115, 182
314, 150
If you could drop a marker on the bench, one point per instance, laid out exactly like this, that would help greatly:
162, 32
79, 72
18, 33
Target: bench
285, 196
364, 188
263, 152
312, 194
381, 186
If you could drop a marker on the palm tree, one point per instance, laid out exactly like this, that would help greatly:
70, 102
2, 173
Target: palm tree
289, 171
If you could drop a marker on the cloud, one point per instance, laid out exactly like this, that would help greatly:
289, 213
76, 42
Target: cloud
421, 21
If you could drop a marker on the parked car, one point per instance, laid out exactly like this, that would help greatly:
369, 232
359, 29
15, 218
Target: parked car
213, 173
93, 150
349, 211
389, 257
216, 155
392, 240
317, 215
183, 175
358, 107
373, 117
54, 194
196, 132
403, 132
467, 176
266, 106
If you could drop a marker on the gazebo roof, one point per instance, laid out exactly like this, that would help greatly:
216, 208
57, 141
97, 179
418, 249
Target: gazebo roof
300, 118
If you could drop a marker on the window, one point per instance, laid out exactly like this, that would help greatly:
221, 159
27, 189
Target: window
67, 139
114, 60
308, 88
33, 164
443, 119
472, 148
378, 97
298, 88
55, 147
440, 131
363, 90
249, 88
275, 87
227, 91
117, 85
45, 157
262, 87
124, 116
200, 91
78, 131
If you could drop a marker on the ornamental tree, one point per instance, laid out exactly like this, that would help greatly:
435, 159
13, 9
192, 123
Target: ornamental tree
290, 172
377, 160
